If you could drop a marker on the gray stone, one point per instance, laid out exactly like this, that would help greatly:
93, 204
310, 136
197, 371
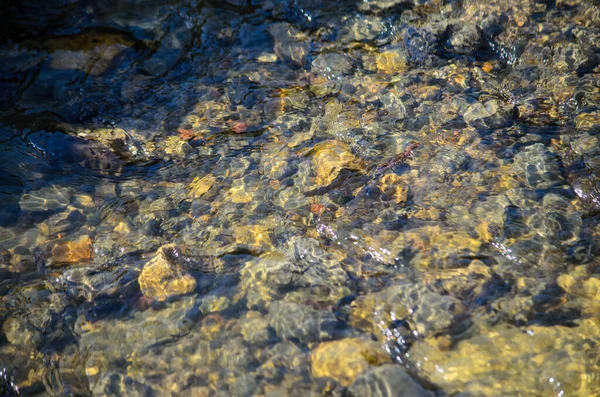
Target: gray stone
383, 5
172, 48
465, 39
288, 47
585, 144
256, 331
420, 44
116, 384
386, 381
46, 199
303, 266
539, 168
361, 28
425, 310
89, 282
292, 321
20, 331
393, 103
449, 161
475, 112
235, 355
332, 64
64, 148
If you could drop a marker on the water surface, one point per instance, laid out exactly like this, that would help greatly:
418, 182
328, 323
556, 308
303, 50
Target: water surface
355, 198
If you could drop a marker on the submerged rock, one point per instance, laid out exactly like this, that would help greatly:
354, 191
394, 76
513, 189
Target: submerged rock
303, 267
332, 64
63, 148
200, 186
254, 237
361, 28
448, 162
46, 199
261, 134
172, 48
292, 321
289, 44
20, 331
421, 45
344, 360
74, 251
386, 381
392, 59
113, 381
516, 361
425, 310
465, 39
538, 167
329, 158
164, 278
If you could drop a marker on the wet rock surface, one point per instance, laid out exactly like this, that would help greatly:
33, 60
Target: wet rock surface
343, 360
162, 277
386, 381
379, 198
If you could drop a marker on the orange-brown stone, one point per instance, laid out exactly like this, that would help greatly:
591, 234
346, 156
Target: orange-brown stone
163, 278
74, 251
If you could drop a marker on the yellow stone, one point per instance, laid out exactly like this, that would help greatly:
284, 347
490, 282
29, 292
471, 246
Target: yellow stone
254, 236
73, 251
204, 218
362, 314
517, 359
520, 19
213, 378
459, 79
162, 278
44, 231
428, 213
92, 371
483, 232
174, 145
212, 325
344, 360
394, 186
453, 240
83, 200
329, 158
267, 58
587, 120
237, 194
390, 62
591, 288
566, 282
200, 186
122, 228
149, 147
487, 67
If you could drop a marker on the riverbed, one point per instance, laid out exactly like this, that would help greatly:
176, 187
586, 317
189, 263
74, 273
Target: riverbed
300, 198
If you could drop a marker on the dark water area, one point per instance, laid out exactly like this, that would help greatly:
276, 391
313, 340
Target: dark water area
300, 198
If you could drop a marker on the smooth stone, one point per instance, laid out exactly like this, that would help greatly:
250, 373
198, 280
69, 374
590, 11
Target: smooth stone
74, 251
386, 381
163, 278
344, 360
288, 46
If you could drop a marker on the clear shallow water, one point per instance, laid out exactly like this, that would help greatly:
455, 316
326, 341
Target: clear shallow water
296, 198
